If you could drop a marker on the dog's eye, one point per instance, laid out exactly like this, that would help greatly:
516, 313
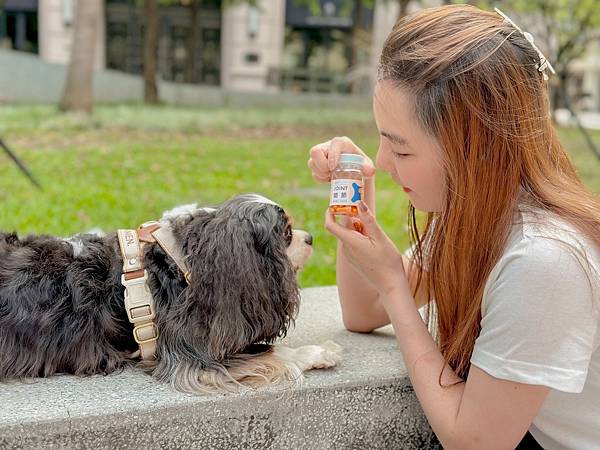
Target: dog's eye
288, 234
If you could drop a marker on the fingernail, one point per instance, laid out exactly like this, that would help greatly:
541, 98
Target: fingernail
363, 207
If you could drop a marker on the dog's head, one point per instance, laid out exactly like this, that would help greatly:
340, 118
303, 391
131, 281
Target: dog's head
243, 256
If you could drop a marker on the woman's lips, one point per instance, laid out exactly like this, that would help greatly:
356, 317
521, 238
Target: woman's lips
407, 190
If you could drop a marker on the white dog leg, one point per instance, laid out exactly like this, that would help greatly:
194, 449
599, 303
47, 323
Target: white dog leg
307, 357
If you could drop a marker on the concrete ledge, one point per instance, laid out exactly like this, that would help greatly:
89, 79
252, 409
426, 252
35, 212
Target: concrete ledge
367, 402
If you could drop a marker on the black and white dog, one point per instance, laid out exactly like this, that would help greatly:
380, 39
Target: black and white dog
62, 301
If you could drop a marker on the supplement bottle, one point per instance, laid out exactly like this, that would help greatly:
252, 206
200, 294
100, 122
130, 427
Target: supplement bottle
347, 185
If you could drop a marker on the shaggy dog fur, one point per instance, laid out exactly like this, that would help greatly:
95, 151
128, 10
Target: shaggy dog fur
62, 310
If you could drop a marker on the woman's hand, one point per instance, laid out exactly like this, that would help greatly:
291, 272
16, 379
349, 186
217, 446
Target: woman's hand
326, 155
371, 252
361, 309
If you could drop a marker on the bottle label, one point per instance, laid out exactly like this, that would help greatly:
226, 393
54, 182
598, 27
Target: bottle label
345, 192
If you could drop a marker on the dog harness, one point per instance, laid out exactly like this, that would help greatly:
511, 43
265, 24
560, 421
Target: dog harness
139, 302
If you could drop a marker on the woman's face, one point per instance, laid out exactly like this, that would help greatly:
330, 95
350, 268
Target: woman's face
410, 155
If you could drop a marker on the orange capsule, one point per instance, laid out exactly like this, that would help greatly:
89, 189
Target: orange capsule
358, 226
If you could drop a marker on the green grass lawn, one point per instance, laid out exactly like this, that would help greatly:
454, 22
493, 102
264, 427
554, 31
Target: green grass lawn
127, 164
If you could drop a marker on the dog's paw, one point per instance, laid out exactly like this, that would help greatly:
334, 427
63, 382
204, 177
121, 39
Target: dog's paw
332, 347
308, 357
326, 355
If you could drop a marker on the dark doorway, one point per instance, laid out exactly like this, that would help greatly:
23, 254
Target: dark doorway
19, 25
179, 59
324, 43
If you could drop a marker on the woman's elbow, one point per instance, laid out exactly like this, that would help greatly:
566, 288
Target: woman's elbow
356, 326
474, 440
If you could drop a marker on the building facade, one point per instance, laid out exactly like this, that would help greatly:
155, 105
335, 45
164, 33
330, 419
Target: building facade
55, 24
273, 45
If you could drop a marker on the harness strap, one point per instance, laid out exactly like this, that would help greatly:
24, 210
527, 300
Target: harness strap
162, 234
166, 240
139, 303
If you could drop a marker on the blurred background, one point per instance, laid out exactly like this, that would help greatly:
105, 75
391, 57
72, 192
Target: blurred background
121, 109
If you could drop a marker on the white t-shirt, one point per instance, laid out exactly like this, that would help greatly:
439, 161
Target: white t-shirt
541, 325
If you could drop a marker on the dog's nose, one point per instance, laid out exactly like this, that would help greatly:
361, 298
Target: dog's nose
308, 239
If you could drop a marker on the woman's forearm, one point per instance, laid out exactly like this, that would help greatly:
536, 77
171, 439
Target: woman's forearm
424, 363
362, 310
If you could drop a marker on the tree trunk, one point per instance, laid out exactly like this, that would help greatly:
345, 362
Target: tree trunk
403, 8
150, 51
559, 91
355, 42
354, 33
191, 42
78, 91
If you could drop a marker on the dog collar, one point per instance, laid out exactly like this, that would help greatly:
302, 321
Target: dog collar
139, 302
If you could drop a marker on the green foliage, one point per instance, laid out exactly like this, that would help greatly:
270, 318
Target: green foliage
566, 26
571, 23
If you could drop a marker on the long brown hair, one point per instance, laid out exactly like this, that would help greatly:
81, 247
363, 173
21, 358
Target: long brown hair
476, 88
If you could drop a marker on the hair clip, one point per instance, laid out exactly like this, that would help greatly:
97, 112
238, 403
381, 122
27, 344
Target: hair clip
543, 63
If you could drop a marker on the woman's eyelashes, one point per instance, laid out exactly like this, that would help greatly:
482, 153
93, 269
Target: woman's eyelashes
400, 155
398, 151
395, 147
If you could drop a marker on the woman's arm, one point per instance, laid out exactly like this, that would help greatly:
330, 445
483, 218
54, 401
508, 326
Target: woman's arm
485, 412
361, 309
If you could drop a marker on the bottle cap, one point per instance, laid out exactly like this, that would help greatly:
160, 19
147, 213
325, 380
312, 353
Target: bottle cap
351, 158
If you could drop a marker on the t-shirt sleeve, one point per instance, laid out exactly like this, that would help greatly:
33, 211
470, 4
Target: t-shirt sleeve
539, 322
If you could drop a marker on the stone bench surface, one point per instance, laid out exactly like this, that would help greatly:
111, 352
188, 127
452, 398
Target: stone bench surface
365, 402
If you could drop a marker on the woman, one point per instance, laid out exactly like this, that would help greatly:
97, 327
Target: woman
510, 252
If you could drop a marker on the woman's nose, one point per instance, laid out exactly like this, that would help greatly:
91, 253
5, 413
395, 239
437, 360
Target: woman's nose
381, 162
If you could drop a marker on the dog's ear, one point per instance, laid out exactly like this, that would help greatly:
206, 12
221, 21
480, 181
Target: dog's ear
266, 231
243, 288
182, 353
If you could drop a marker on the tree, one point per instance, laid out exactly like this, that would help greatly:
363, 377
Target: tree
2, 24
151, 36
150, 51
78, 90
563, 30
191, 41
403, 8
